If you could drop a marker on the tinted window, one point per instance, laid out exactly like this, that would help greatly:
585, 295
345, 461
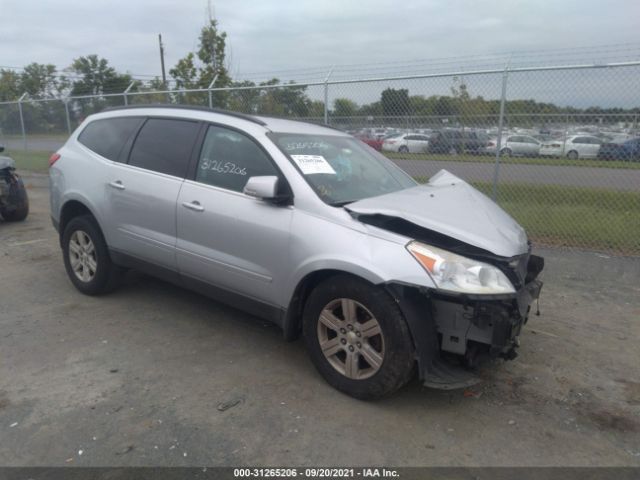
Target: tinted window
164, 146
107, 137
411, 137
229, 158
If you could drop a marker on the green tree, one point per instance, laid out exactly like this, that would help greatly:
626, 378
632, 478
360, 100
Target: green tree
10, 85
96, 77
395, 102
41, 81
287, 100
198, 70
343, 107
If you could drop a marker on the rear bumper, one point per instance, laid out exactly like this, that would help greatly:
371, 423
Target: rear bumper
464, 327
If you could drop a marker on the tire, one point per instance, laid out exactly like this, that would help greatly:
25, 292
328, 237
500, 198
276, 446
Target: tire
573, 155
505, 152
20, 203
403, 149
103, 275
393, 344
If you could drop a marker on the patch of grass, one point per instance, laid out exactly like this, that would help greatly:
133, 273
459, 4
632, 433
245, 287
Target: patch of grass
591, 218
565, 162
30, 160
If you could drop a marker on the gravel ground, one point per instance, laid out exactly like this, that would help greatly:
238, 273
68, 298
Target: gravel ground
143, 376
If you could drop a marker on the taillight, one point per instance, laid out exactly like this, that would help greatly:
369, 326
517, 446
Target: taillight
391, 142
556, 145
491, 144
54, 158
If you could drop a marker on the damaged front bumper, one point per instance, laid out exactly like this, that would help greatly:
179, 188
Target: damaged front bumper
465, 328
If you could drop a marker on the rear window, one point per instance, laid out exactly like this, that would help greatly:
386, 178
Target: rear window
164, 146
107, 137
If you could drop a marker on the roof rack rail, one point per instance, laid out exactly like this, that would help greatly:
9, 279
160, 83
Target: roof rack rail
243, 116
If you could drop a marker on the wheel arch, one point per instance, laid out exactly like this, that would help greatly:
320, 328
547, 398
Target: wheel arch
292, 322
72, 208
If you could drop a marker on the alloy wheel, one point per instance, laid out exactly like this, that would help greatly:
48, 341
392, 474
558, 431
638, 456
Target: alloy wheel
82, 256
351, 338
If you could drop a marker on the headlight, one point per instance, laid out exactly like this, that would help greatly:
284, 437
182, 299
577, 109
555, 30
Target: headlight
459, 274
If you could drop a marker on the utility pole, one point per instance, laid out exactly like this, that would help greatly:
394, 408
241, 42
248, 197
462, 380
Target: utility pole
164, 75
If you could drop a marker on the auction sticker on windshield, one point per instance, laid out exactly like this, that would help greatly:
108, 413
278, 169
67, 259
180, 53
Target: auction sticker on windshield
311, 164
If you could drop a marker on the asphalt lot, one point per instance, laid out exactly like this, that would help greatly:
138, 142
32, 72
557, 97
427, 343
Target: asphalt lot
587, 177
136, 378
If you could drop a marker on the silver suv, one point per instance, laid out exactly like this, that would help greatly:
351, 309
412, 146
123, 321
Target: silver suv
305, 226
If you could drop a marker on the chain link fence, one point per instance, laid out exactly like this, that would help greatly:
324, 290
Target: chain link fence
557, 147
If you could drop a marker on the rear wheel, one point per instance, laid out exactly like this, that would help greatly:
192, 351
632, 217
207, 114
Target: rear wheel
357, 338
403, 149
572, 155
86, 257
505, 152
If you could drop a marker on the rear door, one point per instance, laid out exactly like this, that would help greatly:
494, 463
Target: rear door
142, 193
226, 238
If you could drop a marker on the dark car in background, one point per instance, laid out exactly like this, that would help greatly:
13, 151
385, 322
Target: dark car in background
14, 203
458, 141
628, 150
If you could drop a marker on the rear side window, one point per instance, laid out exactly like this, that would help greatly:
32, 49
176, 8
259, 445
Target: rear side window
164, 145
107, 137
229, 158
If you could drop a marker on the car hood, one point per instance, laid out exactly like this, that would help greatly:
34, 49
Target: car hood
6, 162
450, 206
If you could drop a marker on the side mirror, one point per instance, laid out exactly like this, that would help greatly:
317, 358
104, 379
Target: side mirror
1, 148
264, 187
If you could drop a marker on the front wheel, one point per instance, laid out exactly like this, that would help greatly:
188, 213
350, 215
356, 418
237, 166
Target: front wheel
357, 338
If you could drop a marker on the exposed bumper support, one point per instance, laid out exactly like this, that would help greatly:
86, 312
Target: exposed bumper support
463, 325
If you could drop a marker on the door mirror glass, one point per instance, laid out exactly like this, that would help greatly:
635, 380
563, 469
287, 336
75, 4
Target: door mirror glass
263, 187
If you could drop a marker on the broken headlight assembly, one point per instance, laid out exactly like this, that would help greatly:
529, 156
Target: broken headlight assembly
455, 273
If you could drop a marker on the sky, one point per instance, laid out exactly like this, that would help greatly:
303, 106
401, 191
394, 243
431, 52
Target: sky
302, 39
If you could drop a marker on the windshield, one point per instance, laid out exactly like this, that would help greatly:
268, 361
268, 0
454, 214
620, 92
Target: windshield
341, 170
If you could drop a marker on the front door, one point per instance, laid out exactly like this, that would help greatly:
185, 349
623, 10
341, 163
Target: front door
226, 238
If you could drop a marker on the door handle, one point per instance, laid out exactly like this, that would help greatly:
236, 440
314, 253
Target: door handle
117, 184
195, 206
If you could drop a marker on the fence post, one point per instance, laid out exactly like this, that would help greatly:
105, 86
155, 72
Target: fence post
66, 111
209, 88
124, 94
326, 97
24, 133
503, 97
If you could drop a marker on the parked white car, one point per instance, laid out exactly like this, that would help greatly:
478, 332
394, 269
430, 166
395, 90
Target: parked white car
514, 145
406, 143
576, 146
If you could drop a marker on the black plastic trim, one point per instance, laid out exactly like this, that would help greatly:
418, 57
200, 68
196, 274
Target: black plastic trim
415, 305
